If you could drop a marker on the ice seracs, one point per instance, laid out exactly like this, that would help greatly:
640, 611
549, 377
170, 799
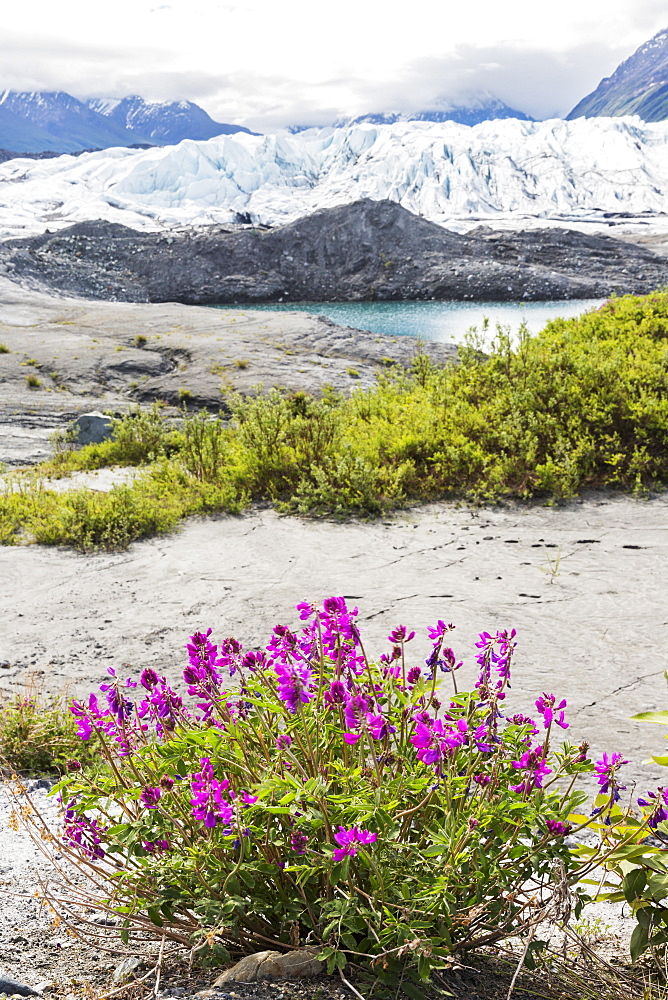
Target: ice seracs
456, 175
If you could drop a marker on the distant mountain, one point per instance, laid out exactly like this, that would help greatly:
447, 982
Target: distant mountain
161, 122
639, 86
469, 109
53, 120
57, 122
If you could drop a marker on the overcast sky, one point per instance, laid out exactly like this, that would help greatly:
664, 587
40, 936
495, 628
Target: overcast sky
270, 63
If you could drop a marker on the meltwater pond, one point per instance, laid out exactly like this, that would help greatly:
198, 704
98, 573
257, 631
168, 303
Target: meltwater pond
440, 321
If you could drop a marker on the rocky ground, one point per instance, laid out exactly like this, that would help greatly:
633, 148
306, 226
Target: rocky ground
83, 355
367, 250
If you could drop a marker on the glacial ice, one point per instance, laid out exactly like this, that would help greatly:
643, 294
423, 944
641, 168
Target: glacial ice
503, 172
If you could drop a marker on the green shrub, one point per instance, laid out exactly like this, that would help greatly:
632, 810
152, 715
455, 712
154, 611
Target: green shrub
139, 436
582, 405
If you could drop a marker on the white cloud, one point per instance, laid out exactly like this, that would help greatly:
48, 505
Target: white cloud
267, 63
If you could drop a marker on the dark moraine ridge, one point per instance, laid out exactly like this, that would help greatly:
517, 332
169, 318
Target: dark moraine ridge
370, 250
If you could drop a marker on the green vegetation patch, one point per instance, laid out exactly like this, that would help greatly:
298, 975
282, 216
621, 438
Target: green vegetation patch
584, 404
38, 735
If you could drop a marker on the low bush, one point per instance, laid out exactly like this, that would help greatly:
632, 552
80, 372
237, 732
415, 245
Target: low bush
308, 795
582, 405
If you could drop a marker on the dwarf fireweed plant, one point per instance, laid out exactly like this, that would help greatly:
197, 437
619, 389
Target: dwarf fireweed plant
306, 794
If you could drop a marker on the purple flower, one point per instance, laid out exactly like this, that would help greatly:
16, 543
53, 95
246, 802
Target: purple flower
336, 694
150, 797
255, 661
439, 630
533, 762
230, 655
400, 635
284, 643
355, 711
547, 708
81, 832
283, 741
556, 828
294, 687
435, 739
149, 679
414, 675
209, 802
298, 842
347, 839
606, 769
166, 783
448, 661
201, 676
482, 779
379, 727
156, 845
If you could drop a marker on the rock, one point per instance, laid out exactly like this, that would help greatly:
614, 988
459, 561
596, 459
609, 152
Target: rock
92, 428
366, 250
301, 964
11, 987
124, 969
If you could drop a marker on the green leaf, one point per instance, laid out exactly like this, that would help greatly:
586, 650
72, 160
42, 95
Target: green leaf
659, 717
154, 916
639, 941
411, 990
634, 883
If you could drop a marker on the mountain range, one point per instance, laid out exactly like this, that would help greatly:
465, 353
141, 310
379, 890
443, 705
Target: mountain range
468, 109
639, 86
55, 121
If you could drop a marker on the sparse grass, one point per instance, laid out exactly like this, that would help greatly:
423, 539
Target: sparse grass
33, 382
241, 363
4, 349
582, 405
140, 340
38, 735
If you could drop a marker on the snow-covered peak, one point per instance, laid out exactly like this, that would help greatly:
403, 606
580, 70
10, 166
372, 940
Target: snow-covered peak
505, 171
467, 108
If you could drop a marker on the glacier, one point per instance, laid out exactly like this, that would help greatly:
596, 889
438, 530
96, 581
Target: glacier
505, 173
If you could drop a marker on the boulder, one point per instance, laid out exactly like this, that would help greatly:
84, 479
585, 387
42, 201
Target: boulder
300, 964
92, 428
12, 988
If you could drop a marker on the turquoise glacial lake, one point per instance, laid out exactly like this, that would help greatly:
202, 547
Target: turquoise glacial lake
440, 321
